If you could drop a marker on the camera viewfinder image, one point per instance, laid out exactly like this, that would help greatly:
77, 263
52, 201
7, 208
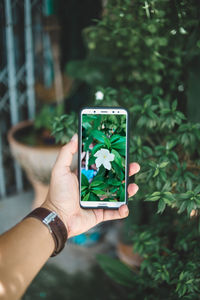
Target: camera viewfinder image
103, 157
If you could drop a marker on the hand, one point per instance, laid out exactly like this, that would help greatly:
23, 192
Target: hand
63, 195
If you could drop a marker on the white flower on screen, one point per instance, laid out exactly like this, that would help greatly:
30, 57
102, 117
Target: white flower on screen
104, 157
99, 95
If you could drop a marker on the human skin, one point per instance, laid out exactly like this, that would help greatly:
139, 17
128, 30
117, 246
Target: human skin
26, 247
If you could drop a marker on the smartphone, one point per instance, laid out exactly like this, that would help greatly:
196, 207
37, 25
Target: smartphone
103, 157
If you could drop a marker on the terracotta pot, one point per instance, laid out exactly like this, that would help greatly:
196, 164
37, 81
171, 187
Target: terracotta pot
126, 255
37, 161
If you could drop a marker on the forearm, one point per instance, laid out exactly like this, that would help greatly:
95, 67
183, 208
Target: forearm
24, 249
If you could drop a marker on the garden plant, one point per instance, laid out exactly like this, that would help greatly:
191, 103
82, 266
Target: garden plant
141, 56
166, 224
142, 44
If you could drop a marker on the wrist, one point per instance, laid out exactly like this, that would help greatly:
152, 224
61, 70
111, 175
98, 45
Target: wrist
50, 206
50, 218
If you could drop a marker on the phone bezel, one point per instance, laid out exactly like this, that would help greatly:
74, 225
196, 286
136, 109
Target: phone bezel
103, 110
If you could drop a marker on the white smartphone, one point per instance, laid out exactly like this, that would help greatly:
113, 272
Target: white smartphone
103, 157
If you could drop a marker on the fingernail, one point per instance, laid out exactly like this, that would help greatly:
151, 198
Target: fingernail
126, 210
75, 137
138, 167
136, 188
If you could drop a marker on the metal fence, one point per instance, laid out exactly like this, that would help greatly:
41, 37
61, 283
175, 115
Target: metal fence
21, 37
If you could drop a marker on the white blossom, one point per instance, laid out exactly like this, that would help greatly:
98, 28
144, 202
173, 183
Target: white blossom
104, 157
173, 32
99, 95
181, 88
182, 30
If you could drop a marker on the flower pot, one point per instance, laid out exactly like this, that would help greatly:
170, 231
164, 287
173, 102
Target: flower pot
126, 255
37, 160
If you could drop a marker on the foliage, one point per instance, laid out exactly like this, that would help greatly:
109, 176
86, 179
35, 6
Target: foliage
44, 118
140, 44
60, 125
64, 127
170, 269
107, 133
167, 234
144, 50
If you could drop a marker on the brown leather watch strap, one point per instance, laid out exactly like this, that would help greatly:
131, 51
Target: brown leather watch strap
55, 225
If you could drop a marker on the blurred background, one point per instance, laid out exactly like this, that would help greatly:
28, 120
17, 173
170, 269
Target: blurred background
55, 57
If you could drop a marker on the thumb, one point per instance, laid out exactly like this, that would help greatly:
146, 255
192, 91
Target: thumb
65, 156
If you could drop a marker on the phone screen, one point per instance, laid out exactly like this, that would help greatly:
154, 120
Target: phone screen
103, 156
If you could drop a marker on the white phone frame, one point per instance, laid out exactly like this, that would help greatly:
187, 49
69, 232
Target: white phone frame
112, 111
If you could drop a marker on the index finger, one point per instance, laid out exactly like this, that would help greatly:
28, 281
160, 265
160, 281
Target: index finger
133, 168
65, 156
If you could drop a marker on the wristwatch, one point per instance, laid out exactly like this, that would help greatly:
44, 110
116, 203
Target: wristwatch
55, 225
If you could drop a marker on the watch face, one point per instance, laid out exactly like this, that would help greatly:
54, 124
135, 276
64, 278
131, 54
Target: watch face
50, 218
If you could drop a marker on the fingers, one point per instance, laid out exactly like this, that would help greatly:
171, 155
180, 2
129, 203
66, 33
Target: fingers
133, 168
66, 154
132, 189
122, 212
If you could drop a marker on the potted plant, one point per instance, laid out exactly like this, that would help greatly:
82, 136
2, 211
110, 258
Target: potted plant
35, 149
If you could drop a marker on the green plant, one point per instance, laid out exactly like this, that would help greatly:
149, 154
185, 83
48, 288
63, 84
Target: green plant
142, 44
64, 126
140, 56
167, 235
61, 126
45, 116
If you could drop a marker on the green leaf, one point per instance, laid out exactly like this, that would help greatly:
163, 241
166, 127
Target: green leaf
98, 192
86, 125
119, 170
86, 197
155, 198
96, 183
88, 141
122, 193
115, 137
155, 194
84, 180
93, 197
110, 199
197, 190
114, 190
96, 148
98, 135
115, 269
118, 158
83, 188
91, 160
120, 145
114, 182
161, 206
156, 173
182, 207
107, 142
171, 144
174, 105
163, 164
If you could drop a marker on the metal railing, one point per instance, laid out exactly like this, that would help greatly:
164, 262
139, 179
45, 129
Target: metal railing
18, 41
